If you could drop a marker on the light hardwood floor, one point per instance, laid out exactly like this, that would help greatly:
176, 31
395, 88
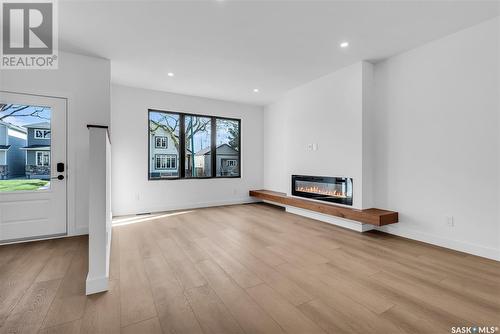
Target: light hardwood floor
246, 269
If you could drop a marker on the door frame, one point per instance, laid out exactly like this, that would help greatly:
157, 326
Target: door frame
71, 229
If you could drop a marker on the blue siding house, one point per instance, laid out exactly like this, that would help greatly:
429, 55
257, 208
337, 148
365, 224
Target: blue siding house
12, 159
38, 151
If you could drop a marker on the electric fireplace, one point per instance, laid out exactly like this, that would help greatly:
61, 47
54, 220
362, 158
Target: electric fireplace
323, 188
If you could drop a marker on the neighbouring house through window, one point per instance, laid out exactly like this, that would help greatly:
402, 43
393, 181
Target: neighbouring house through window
193, 146
198, 140
43, 158
227, 148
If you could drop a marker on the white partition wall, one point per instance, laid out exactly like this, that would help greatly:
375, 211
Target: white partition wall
99, 209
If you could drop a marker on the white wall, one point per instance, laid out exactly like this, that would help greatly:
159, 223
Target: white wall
85, 82
327, 112
437, 141
131, 190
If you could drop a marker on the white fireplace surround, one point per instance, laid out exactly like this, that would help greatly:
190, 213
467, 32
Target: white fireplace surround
338, 145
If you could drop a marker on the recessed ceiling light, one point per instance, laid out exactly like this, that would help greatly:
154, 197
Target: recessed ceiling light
344, 44
255, 90
170, 74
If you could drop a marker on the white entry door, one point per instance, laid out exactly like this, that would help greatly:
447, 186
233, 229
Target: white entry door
32, 167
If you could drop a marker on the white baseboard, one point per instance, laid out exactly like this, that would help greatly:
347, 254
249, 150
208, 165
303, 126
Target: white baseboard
346, 223
400, 230
186, 206
96, 285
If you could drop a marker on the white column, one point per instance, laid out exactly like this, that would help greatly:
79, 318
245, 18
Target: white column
99, 209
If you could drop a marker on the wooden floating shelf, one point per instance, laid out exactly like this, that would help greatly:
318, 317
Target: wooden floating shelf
377, 217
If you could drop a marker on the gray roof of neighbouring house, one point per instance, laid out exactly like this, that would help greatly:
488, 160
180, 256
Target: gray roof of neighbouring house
41, 125
13, 127
208, 149
35, 146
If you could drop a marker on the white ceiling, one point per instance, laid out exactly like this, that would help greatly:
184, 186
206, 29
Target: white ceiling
225, 49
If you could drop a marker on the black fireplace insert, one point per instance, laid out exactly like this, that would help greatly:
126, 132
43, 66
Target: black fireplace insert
323, 188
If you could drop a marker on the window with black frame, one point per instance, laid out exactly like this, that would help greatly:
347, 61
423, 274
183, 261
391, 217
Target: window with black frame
193, 146
164, 146
227, 154
198, 147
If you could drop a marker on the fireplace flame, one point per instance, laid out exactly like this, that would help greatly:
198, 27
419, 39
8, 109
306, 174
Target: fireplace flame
321, 191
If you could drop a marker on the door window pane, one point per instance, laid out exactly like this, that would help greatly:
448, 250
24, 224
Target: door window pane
198, 155
164, 129
228, 148
25, 139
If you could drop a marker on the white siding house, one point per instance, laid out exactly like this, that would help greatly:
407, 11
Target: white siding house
163, 155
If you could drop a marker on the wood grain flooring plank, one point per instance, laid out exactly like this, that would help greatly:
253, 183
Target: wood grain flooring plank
72, 327
411, 322
360, 293
473, 288
192, 250
70, 300
246, 312
236, 270
162, 279
18, 274
338, 300
146, 243
135, 291
297, 255
177, 317
439, 318
473, 312
114, 261
102, 311
28, 315
211, 312
57, 266
150, 326
257, 250
280, 283
287, 315
329, 319
174, 312
183, 268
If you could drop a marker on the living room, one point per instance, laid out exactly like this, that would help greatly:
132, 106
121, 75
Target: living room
238, 166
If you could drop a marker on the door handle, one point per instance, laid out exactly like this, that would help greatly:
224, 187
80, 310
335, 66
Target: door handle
58, 177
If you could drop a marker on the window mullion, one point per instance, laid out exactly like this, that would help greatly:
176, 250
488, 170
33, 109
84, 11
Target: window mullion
213, 144
182, 147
